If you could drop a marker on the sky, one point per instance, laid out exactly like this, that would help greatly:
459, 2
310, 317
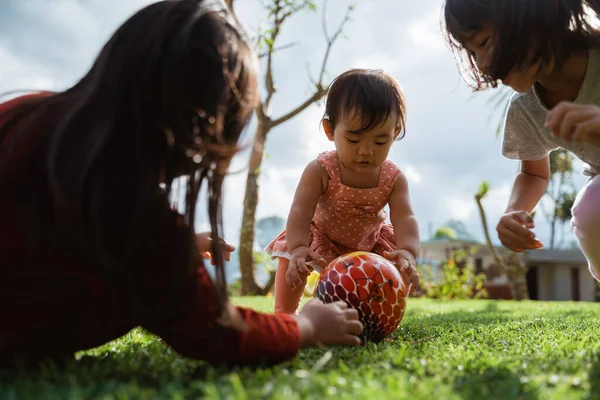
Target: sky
450, 145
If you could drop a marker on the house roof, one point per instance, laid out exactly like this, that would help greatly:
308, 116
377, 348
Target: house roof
574, 256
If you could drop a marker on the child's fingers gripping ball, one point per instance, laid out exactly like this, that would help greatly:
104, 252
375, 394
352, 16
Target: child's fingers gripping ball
370, 284
407, 268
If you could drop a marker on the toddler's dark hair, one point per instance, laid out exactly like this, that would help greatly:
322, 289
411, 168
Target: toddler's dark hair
371, 94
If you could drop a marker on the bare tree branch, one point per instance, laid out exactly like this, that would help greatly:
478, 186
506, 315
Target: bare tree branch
279, 18
324, 20
488, 239
331, 40
275, 50
317, 95
320, 87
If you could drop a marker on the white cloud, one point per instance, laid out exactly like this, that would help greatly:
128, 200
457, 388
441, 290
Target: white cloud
412, 175
312, 135
378, 60
459, 207
425, 32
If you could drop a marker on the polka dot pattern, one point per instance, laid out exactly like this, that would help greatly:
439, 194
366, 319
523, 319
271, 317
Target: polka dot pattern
370, 284
347, 219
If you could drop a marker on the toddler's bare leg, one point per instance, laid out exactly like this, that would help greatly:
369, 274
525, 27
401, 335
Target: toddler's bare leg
287, 300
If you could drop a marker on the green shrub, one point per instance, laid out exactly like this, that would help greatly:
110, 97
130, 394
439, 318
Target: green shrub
457, 281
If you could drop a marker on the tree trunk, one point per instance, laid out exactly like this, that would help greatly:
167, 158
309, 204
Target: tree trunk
553, 230
249, 284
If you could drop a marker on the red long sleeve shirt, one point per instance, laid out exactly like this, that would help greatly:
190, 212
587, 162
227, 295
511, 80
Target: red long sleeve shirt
53, 304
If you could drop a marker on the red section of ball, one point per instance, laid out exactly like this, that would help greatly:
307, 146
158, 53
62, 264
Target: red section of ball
372, 285
363, 293
376, 293
390, 294
357, 274
348, 283
334, 277
370, 271
376, 307
387, 308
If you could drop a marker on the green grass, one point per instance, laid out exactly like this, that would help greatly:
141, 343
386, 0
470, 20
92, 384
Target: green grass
442, 350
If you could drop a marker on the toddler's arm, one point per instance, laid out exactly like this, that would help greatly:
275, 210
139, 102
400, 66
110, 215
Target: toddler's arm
406, 230
312, 184
310, 188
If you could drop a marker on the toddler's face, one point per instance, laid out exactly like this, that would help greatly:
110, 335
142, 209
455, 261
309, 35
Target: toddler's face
362, 152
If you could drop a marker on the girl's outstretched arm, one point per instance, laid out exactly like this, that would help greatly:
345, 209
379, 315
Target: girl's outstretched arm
265, 339
514, 227
195, 333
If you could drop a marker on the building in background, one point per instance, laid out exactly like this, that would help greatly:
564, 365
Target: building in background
553, 274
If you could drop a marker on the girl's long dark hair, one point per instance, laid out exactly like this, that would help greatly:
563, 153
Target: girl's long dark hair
525, 32
91, 168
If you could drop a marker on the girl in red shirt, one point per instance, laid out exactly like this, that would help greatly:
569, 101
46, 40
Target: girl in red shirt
90, 245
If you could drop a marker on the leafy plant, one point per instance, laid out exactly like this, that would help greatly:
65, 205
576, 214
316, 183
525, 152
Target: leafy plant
458, 280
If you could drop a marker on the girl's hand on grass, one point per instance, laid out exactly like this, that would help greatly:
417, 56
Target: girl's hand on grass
204, 245
328, 324
298, 271
514, 232
575, 122
405, 262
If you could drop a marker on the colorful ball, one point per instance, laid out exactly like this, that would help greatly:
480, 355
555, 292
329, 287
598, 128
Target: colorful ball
370, 284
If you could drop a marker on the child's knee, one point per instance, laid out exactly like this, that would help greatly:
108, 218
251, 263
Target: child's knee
586, 211
586, 218
282, 265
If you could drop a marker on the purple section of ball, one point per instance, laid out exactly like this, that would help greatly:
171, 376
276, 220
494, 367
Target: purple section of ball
354, 300
329, 288
340, 292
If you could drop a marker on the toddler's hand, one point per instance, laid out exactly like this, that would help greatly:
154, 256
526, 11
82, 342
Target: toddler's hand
204, 245
514, 232
575, 122
298, 271
405, 262
328, 324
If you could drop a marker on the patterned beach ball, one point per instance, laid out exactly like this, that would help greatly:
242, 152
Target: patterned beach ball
372, 285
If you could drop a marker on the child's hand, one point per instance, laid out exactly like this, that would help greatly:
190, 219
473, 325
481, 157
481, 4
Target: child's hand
405, 262
297, 270
514, 232
575, 122
204, 245
328, 324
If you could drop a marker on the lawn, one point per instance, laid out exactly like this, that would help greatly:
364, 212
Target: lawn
442, 350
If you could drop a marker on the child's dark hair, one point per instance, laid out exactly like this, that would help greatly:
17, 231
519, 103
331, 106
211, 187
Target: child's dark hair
525, 32
168, 96
371, 94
